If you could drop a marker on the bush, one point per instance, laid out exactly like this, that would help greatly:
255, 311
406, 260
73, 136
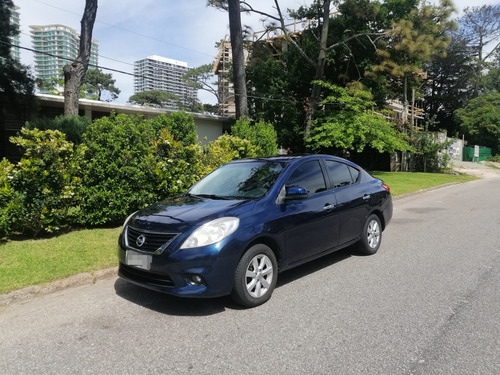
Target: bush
225, 149
73, 126
10, 207
495, 159
260, 134
113, 169
127, 162
42, 182
174, 167
180, 125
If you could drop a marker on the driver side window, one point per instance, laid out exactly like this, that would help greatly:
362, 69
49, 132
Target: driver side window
308, 175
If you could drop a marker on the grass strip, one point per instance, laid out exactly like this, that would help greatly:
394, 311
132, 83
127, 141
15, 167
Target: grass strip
408, 182
34, 262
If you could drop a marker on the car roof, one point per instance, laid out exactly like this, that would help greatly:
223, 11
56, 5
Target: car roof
287, 159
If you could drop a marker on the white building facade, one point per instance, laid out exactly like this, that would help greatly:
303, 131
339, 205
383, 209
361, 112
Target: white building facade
56, 46
164, 74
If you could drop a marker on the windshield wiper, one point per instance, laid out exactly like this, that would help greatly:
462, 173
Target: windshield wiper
211, 196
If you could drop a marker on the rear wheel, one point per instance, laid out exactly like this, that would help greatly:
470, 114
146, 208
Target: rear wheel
371, 236
255, 276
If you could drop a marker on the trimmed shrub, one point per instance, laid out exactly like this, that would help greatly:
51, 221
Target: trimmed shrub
73, 126
126, 163
10, 206
225, 149
260, 134
42, 182
180, 125
174, 167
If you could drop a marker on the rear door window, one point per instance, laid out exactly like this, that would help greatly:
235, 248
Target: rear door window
341, 174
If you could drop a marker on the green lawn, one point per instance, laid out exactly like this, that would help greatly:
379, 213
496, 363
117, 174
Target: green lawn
407, 182
34, 262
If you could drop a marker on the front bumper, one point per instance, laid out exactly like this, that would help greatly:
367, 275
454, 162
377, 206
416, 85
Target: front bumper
173, 273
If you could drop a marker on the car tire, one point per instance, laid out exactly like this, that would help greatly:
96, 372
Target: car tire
255, 276
371, 237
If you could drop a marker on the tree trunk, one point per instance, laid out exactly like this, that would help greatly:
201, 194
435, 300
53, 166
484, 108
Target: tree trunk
74, 72
240, 85
320, 70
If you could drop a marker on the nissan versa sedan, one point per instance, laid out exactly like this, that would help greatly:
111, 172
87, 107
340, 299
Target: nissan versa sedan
237, 228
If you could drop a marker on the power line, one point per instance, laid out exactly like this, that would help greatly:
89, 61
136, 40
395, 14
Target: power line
65, 58
128, 31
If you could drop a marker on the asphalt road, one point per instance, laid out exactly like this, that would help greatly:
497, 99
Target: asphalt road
427, 303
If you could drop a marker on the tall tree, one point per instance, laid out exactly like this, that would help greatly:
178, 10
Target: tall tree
96, 83
238, 56
236, 35
480, 26
74, 72
199, 78
16, 80
413, 41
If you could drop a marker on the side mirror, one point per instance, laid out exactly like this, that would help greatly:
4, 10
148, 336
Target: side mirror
296, 192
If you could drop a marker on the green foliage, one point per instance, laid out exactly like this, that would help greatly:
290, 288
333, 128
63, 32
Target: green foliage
127, 162
95, 83
114, 169
280, 87
480, 120
10, 207
180, 124
348, 123
225, 149
42, 181
430, 153
174, 167
153, 98
260, 134
73, 126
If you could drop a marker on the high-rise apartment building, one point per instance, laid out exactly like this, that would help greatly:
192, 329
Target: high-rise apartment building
161, 73
56, 46
14, 19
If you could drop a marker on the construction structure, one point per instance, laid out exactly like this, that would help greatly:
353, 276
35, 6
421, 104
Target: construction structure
164, 74
222, 69
55, 46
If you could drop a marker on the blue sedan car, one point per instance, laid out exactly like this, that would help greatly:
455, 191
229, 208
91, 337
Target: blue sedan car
237, 228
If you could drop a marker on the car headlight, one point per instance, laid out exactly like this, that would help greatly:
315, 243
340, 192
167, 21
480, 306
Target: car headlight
212, 232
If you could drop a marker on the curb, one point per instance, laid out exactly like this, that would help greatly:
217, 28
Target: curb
86, 278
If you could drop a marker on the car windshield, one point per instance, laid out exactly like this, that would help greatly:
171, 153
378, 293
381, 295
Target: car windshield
246, 180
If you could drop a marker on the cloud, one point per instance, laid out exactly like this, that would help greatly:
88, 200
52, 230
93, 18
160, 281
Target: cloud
130, 30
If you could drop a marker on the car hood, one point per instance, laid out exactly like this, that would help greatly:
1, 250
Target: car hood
187, 211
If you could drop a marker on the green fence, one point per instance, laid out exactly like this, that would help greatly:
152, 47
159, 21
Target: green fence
484, 154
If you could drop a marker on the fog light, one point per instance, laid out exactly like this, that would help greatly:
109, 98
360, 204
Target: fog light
195, 280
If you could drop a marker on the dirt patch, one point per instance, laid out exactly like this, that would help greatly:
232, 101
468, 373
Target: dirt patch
482, 169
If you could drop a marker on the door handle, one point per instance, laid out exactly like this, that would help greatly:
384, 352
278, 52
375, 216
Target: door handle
328, 207
366, 196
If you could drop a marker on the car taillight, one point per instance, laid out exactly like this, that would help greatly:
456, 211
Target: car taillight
386, 187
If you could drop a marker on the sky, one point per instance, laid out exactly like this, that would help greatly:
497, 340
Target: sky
130, 30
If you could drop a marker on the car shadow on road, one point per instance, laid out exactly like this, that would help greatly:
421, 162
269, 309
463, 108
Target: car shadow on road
314, 266
172, 305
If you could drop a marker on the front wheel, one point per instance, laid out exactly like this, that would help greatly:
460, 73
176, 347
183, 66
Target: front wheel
255, 276
371, 236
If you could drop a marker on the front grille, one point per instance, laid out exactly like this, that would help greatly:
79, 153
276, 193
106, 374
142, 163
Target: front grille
153, 242
144, 277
